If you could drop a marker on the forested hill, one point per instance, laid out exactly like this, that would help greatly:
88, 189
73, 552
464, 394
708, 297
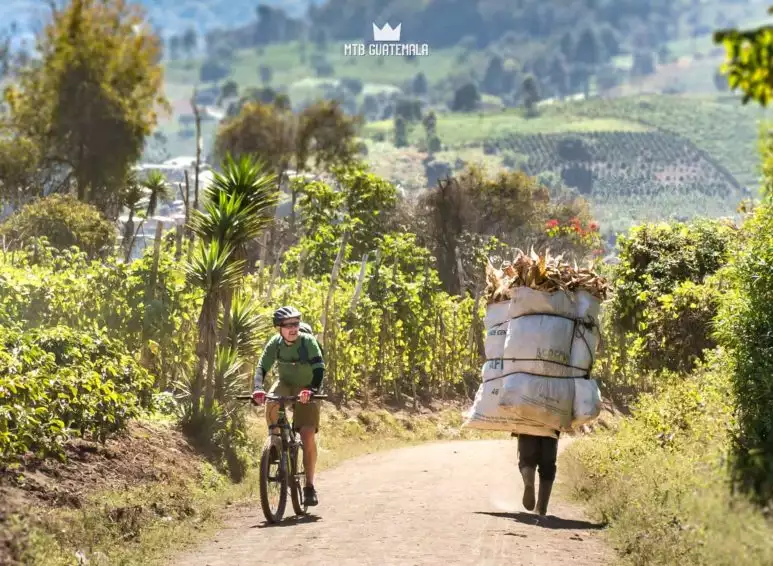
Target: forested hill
443, 23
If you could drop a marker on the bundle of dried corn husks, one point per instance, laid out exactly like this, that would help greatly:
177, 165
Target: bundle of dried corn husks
541, 273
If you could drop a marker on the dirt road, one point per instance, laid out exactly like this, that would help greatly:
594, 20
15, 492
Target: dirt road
442, 504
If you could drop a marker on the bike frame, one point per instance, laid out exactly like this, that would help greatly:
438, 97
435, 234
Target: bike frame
289, 440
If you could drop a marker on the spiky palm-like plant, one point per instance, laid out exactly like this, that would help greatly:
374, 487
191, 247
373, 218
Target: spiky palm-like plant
213, 270
238, 206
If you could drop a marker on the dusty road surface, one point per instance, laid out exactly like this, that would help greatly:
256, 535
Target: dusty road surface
444, 504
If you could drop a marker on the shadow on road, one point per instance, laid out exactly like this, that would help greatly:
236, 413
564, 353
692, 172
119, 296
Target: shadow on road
548, 522
289, 522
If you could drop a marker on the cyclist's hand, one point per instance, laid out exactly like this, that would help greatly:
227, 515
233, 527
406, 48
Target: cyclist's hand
305, 395
258, 396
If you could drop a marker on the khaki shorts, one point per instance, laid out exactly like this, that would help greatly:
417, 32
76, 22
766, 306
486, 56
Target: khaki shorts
303, 414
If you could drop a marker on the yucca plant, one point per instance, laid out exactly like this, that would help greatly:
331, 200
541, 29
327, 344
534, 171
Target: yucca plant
247, 325
213, 270
155, 184
238, 206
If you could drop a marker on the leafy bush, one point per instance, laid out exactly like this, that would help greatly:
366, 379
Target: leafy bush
42, 287
654, 302
660, 480
655, 258
745, 325
678, 329
59, 382
64, 221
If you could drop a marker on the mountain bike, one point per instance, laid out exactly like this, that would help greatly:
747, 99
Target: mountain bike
281, 463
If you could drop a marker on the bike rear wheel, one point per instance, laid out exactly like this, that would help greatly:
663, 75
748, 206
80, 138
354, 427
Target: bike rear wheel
297, 479
273, 480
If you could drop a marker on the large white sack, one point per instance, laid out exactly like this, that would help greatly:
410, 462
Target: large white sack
547, 401
494, 344
496, 313
587, 305
496, 368
587, 402
540, 345
487, 413
587, 334
549, 345
584, 346
530, 301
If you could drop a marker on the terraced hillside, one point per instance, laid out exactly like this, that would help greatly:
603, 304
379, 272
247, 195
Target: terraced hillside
587, 161
636, 158
722, 126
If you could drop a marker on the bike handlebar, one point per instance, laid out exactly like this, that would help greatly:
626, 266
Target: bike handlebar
270, 397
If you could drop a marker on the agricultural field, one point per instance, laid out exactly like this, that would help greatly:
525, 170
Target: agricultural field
727, 130
289, 65
635, 159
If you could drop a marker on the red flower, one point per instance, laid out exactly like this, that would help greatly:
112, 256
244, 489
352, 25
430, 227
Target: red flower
552, 223
594, 226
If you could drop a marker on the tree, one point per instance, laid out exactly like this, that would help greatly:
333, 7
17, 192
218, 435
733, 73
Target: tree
588, 53
174, 45
466, 98
567, 46
190, 41
430, 123
266, 73
420, 86
401, 131
492, 79
610, 41
239, 206
230, 89
531, 95
509, 206
749, 61
643, 64
213, 70
559, 76
64, 221
91, 98
322, 132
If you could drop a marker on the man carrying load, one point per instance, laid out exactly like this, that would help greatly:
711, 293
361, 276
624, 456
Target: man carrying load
537, 453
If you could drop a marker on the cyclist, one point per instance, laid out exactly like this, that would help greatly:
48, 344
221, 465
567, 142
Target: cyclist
300, 372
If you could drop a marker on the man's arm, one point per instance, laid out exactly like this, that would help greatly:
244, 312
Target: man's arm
317, 364
266, 362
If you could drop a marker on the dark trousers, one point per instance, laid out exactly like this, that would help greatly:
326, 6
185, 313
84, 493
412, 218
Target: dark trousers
538, 452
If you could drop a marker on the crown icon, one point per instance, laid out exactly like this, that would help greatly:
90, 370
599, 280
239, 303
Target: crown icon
386, 33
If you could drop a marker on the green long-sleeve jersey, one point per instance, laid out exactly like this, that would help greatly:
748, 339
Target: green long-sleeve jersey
287, 357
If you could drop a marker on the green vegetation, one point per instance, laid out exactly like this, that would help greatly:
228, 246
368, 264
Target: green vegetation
64, 222
722, 127
660, 480
57, 381
455, 129
743, 327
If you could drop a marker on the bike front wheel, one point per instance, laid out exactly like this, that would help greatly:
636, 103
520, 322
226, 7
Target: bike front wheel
273, 480
297, 479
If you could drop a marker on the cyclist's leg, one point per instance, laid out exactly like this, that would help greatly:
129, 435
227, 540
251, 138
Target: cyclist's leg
272, 407
307, 422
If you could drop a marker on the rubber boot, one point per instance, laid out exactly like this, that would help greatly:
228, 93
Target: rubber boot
528, 475
545, 487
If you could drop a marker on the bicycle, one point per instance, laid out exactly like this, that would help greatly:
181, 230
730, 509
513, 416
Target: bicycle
285, 449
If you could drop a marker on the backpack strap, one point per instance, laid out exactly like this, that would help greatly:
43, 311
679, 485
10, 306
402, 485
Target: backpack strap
303, 352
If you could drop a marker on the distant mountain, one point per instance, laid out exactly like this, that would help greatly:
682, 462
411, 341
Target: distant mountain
171, 16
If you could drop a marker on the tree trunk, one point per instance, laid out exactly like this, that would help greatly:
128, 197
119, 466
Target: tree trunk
333, 281
197, 116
